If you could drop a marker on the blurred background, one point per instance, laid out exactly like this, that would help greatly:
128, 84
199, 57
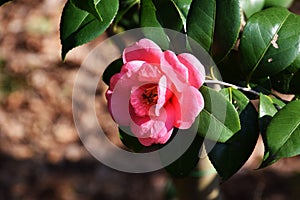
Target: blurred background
41, 156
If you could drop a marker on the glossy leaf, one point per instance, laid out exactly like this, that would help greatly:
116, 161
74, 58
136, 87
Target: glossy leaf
251, 6
188, 161
283, 134
111, 69
295, 83
168, 15
229, 157
148, 18
78, 27
236, 97
215, 25
201, 22
89, 6
282, 3
281, 81
266, 106
219, 120
183, 7
124, 8
270, 42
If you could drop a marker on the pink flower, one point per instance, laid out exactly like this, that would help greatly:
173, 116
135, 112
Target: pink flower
155, 92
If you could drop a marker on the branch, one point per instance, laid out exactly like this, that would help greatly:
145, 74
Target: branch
233, 86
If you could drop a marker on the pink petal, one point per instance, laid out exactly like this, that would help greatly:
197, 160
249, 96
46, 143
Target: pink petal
196, 70
157, 130
120, 95
144, 50
150, 141
177, 66
191, 103
174, 77
149, 73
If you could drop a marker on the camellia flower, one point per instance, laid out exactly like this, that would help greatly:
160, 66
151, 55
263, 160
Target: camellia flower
156, 91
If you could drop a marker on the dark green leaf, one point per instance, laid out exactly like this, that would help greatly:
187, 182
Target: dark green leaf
148, 18
267, 110
295, 83
295, 66
270, 42
219, 120
283, 134
183, 7
281, 81
236, 97
125, 7
251, 6
188, 161
89, 6
78, 27
227, 28
215, 25
168, 15
4, 1
201, 22
130, 141
229, 157
282, 3
111, 69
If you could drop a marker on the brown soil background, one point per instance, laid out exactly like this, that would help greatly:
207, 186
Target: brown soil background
41, 156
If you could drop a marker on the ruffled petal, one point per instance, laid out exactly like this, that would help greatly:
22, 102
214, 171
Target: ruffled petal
119, 97
150, 141
174, 71
144, 50
196, 71
190, 103
157, 130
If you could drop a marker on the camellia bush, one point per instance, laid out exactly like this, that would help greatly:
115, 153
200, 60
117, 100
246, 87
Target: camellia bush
255, 45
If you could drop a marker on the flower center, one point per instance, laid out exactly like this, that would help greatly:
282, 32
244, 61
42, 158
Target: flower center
150, 95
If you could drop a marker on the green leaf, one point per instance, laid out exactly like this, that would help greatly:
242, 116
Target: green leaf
161, 14
129, 140
266, 111
188, 161
251, 6
282, 3
281, 81
295, 83
215, 25
125, 7
168, 15
266, 106
88, 6
183, 7
78, 27
295, 66
283, 134
148, 18
236, 97
270, 42
227, 28
219, 120
111, 69
229, 157
201, 22
4, 1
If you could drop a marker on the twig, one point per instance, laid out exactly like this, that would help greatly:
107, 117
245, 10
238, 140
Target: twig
233, 86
